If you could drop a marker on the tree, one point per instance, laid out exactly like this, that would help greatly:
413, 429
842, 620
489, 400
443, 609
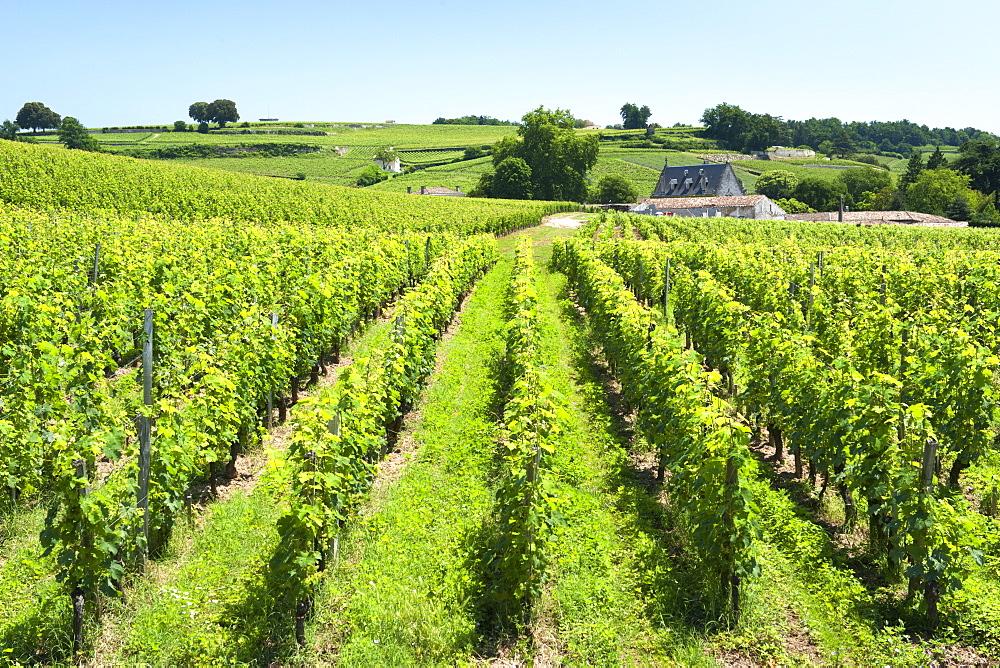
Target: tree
884, 199
727, 123
776, 184
843, 145
198, 112
913, 170
473, 152
9, 130
558, 158
791, 205
614, 189
633, 117
37, 116
74, 135
512, 179
958, 208
740, 130
937, 160
180, 126
821, 194
386, 156
864, 180
936, 190
980, 160
222, 112
371, 175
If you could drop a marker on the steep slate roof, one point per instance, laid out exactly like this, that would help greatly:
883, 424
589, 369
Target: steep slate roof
880, 218
667, 203
692, 180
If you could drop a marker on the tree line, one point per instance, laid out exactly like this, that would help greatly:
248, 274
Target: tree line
965, 189
37, 116
740, 130
471, 120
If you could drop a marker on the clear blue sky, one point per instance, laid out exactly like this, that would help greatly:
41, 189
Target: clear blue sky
131, 63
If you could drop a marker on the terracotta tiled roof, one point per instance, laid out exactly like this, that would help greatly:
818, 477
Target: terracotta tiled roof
436, 190
880, 218
664, 203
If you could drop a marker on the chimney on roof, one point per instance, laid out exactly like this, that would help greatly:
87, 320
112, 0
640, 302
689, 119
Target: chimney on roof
423, 190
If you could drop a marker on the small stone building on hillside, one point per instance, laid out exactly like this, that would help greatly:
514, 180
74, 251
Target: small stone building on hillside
736, 206
435, 190
396, 166
709, 180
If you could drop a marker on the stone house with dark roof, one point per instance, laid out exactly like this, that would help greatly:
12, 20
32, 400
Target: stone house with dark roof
709, 180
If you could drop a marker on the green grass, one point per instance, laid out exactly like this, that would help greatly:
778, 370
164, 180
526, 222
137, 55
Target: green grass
409, 590
402, 137
416, 145
211, 601
643, 179
35, 619
209, 598
405, 591
322, 167
465, 175
603, 597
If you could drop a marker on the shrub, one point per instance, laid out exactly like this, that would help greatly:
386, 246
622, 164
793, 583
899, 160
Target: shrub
371, 175
776, 184
180, 126
792, 205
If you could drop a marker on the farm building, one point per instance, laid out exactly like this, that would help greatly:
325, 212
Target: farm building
779, 152
435, 190
709, 180
735, 206
880, 218
395, 166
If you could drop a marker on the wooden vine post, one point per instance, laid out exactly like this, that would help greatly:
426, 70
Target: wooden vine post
334, 428
666, 291
282, 408
730, 579
797, 448
932, 588
305, 603
77, 595
145, 433
97, 264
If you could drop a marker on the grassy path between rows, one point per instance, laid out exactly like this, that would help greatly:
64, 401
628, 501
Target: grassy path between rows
209, 599
407, 589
